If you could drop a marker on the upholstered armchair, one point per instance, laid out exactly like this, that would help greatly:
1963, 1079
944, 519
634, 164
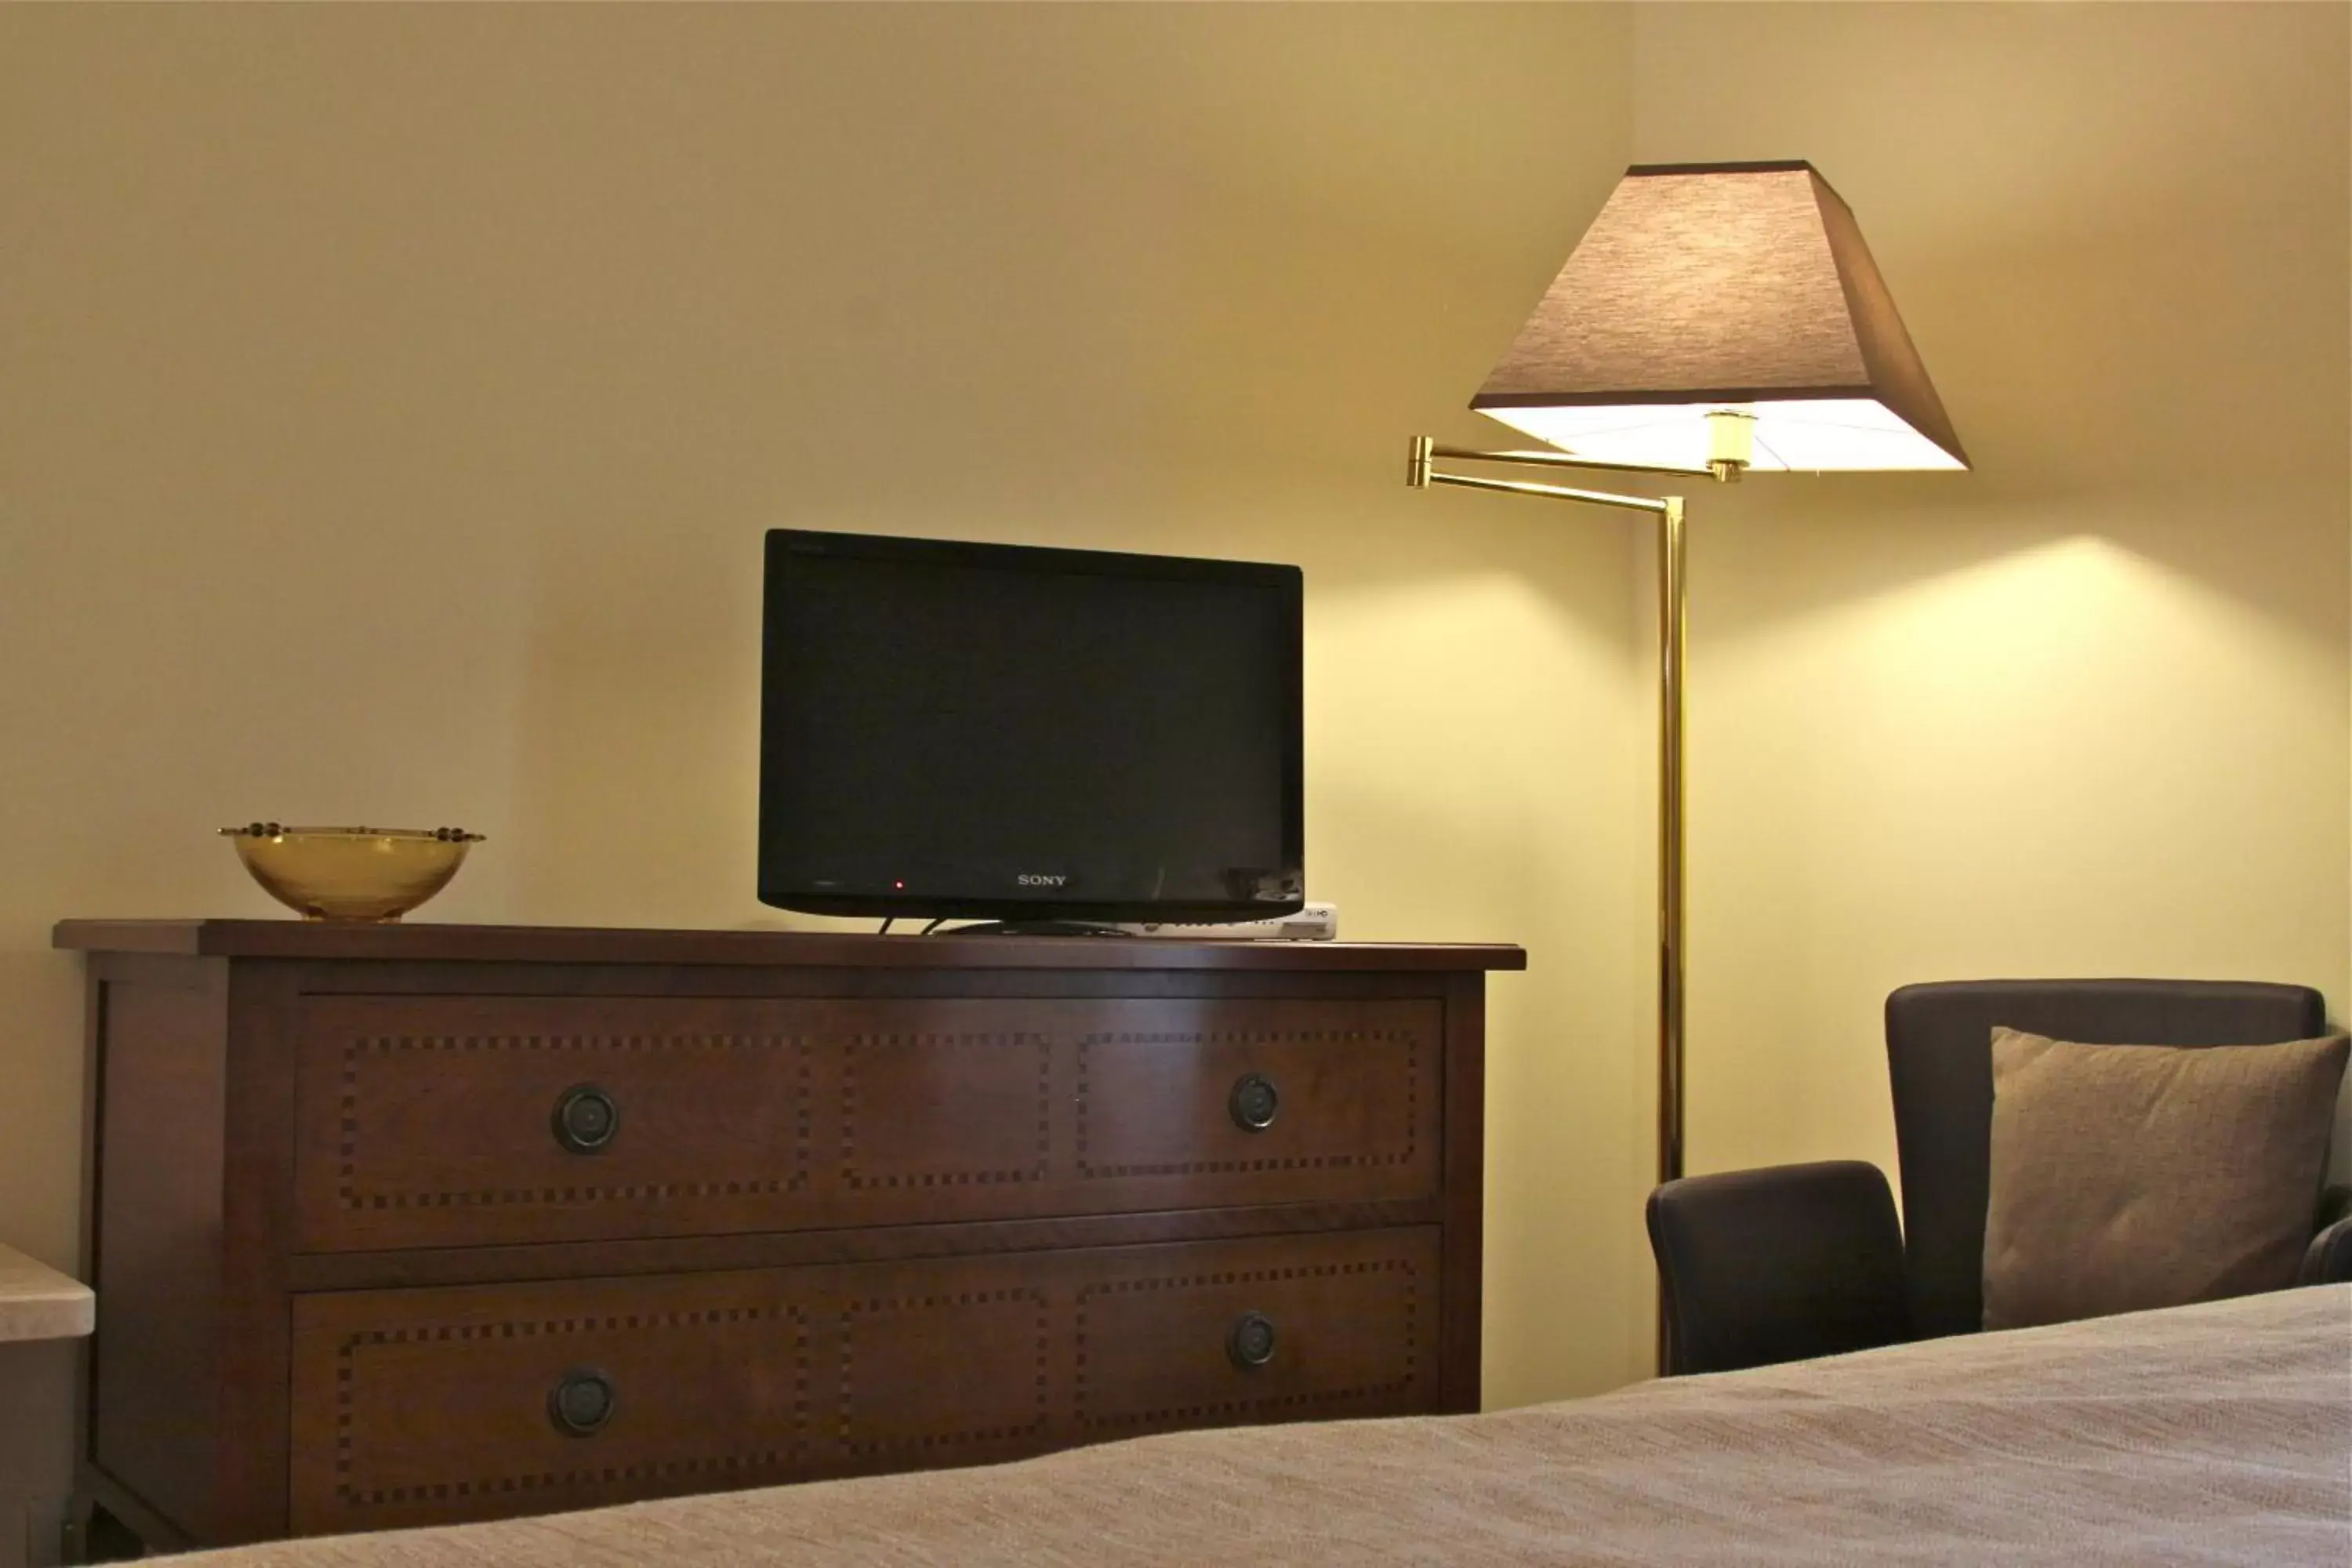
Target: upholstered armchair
1792, 1261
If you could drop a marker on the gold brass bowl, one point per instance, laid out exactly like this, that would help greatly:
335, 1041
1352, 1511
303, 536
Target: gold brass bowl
369, 874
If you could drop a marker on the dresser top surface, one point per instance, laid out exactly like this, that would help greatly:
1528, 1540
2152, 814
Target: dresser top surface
426, 941
36, 1302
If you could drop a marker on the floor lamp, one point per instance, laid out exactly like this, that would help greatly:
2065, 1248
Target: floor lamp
1716, 319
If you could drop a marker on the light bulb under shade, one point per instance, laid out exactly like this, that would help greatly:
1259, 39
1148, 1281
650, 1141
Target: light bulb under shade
1818, 434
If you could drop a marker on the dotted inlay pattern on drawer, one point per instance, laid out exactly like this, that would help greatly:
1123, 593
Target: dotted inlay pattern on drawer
1355, 1039
353, 1196
858, 1180
944, 1301
717, 1467
1213, 1410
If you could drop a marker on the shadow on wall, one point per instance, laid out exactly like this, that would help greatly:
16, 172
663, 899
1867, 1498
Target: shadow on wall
2137, 386
2081, 711
1260, 415
2120, 239
638, 708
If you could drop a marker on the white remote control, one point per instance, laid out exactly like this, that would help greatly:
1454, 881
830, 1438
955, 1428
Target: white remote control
1316, 922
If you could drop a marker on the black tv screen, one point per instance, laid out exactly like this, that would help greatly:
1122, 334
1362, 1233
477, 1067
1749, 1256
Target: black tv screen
1005, 732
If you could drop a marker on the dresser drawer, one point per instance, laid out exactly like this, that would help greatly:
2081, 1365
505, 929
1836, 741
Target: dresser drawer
1224, 1334
464, 1120
414, 1407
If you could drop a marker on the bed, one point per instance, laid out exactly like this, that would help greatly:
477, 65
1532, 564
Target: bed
2214, 1433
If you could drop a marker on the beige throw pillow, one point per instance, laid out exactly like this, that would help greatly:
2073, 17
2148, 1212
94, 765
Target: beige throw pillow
2127, 1177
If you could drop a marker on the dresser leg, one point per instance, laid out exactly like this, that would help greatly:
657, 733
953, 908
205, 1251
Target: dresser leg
94, 1535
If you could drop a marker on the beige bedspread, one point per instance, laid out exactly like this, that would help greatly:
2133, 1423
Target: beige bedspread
2218, 1433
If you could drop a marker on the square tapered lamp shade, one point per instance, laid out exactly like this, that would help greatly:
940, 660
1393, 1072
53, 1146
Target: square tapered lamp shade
1707, 289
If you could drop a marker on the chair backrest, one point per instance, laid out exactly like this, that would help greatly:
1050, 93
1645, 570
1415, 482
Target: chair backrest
1939, 1063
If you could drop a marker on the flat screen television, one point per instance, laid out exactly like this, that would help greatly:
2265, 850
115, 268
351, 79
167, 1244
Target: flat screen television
1012, 734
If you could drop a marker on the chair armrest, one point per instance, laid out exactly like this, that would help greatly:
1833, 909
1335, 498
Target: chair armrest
1778, 1265
2328, 1259
2335, 1204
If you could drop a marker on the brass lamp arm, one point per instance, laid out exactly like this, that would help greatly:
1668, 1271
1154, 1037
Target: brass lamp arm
1419, 475
1427, 477
1425, 448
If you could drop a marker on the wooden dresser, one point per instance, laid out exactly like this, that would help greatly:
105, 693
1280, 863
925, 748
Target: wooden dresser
399, 1225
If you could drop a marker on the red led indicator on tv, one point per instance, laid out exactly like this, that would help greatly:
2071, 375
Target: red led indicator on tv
899, 886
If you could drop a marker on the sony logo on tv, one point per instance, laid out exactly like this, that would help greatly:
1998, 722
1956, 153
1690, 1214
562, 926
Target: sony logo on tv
1039, 879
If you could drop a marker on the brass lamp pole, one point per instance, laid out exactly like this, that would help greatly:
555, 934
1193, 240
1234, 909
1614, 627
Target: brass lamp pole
1716, 319
1728, 460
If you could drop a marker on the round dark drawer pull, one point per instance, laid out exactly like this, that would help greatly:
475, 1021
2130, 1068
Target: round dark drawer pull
1251, 1341
586, 1119
1253, 1102
581, 1402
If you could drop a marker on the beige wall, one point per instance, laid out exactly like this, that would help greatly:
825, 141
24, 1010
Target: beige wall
2083, 710
393, 401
